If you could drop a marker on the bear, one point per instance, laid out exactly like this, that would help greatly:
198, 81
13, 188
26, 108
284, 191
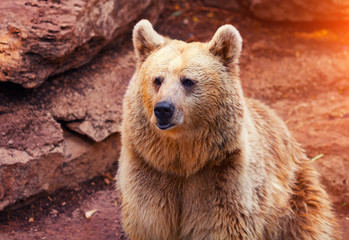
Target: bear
201, 161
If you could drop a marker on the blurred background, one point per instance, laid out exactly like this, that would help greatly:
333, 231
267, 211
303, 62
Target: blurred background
65, 65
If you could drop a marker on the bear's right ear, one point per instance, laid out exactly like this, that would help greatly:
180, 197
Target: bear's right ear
226, 44
145, 39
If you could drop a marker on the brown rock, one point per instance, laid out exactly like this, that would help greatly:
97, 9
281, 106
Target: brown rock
23, 175
89, 100
41, 38
36, 133
31, 148
38, 150
84, 160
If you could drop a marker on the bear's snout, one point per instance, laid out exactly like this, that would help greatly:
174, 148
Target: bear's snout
163, 112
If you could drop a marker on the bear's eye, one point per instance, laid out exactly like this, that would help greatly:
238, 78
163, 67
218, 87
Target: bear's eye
187, 82
158, 81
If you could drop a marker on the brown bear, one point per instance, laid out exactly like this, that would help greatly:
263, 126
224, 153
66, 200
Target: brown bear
201, 161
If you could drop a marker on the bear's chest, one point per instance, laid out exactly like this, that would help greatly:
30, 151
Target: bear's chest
181, 208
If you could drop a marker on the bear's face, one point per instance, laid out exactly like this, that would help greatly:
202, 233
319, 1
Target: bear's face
184, 86
178, 86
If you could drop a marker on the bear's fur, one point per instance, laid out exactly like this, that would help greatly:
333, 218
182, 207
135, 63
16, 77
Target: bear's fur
225, 167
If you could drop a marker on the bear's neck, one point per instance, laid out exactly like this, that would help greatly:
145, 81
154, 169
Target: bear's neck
184, 156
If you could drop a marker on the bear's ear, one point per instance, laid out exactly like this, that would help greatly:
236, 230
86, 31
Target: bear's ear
145, 39
226, 44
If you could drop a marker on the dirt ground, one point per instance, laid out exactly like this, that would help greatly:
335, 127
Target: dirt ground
298, 69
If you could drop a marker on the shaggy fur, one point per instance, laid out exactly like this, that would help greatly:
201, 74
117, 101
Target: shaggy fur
228, 169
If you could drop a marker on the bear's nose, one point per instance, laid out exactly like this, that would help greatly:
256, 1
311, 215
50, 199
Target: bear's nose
164, 111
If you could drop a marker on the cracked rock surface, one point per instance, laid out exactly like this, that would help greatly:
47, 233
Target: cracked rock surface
31, 147
64, 132
39, 39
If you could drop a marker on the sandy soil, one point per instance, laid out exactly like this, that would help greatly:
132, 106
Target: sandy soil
301, 70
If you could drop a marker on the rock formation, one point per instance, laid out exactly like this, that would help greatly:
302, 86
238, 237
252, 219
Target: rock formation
65, 130
39, 39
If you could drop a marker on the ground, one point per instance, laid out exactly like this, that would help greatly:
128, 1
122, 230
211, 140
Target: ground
300, 70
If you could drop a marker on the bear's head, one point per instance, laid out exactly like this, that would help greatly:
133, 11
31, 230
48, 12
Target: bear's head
184, 106
188, 87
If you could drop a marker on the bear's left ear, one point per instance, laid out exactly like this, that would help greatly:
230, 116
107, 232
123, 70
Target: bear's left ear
145, 39
226, 44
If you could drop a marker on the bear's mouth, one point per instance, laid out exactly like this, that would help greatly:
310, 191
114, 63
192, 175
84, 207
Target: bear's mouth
164, 126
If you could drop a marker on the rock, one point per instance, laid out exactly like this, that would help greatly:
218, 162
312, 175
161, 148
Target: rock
39, 39
65, 131
22, 175
89, 100
83, 160
31, 148
34, 132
